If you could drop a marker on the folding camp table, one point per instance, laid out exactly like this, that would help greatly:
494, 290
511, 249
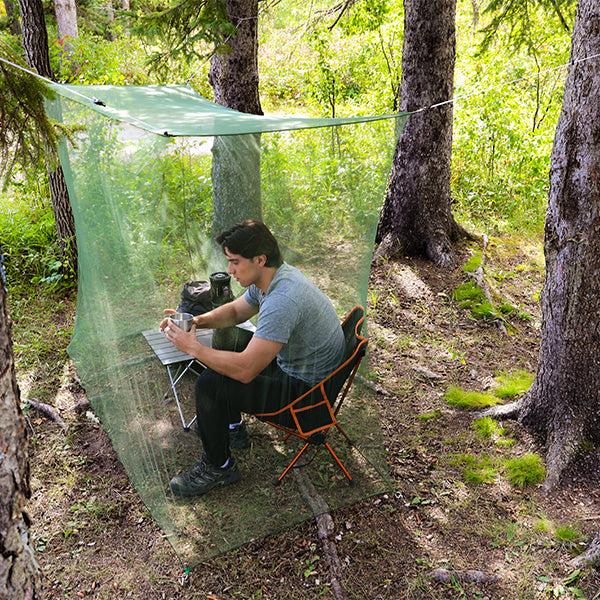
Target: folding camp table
179, 363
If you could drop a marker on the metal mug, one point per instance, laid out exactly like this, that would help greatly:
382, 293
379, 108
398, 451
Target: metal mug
183, 320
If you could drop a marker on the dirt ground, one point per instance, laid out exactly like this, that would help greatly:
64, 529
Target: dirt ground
440, 537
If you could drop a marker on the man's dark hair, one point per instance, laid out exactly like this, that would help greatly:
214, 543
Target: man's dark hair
249, 239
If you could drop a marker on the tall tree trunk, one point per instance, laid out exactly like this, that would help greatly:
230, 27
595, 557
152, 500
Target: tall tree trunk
13, 17
19, 571
564, 401
236, 160
416, 217
66, 18
35, 44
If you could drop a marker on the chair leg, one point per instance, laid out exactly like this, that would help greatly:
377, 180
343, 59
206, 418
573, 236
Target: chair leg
278, 481
339, 462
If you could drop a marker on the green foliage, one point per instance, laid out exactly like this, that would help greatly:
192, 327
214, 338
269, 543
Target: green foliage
463, 399
527, 23
525, 471
28, 241
566, 534
361, 17
184, 31
26, 133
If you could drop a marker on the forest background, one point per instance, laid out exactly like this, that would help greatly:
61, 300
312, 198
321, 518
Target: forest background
508, 93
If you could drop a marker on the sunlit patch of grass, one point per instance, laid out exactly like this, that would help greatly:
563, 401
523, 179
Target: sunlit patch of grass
476, 470
487, 428
463, 399
513, 384
525, 471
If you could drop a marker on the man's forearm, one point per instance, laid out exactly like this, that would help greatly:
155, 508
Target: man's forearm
216, 318
226, 315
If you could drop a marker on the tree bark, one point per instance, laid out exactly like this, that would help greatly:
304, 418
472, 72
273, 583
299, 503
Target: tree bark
416, 217
236, 160
35, 45
563, 404
66, 18
19, 572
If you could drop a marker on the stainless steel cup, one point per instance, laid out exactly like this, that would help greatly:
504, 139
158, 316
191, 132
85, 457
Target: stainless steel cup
183, 320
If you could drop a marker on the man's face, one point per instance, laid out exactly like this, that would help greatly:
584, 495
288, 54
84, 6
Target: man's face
245, 271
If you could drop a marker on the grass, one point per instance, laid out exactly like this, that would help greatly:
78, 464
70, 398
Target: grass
476, 469
464, 399
514, 384
525, 471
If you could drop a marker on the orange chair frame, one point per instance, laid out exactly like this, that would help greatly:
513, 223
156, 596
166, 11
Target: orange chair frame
356, 346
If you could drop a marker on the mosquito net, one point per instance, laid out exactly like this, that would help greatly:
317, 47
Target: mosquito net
155, 174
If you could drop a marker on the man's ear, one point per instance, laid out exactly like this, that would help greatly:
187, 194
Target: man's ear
261, 260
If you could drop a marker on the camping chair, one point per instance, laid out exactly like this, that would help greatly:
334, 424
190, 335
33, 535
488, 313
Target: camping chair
315, 412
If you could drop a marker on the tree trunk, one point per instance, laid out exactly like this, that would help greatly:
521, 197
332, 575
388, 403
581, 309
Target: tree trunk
416, 216
66, 18
563, 403
19, 571
236, 160
35, 45
13, 17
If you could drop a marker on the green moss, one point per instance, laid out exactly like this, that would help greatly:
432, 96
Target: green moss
473, 263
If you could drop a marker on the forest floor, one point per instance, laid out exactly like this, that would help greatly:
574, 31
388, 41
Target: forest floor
95, 539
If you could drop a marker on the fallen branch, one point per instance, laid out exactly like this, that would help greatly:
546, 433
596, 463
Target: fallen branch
325, 528
47, 410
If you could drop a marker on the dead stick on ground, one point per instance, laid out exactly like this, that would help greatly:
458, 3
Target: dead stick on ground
47, 410
325, 528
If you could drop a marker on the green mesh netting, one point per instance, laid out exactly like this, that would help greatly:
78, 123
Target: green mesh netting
146, 207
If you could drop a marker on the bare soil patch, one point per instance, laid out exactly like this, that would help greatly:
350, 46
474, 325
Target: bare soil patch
95, 539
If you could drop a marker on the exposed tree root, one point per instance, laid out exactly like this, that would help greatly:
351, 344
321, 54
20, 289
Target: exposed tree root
479, 276
504, 411
49, 411
325, 528
466, 576
589, 558
386, 249
562, 446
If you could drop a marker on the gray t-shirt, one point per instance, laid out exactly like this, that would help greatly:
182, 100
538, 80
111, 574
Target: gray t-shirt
297, 314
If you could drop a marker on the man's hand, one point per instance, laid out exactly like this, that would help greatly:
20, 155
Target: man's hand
185, 341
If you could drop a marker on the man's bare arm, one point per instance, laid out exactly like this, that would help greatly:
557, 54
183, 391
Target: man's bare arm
241, 366
226, 315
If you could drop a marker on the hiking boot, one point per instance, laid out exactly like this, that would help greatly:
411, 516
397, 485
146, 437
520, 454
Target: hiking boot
204, 477
238, 437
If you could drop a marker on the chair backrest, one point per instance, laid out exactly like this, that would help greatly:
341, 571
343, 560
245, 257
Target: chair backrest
315, 410
356, 347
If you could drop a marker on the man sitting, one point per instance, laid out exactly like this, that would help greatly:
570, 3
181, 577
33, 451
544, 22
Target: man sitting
298, 341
